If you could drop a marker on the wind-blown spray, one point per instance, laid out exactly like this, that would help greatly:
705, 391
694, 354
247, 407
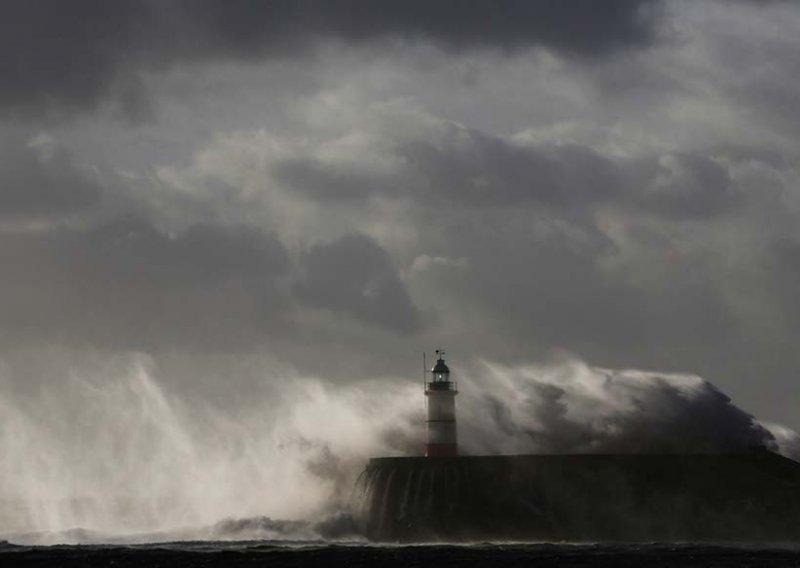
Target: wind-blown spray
571, 407
120, 454
117, 452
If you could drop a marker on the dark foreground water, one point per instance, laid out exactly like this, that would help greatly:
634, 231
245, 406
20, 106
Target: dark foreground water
279, 554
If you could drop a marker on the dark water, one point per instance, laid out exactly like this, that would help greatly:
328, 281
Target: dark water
283, 553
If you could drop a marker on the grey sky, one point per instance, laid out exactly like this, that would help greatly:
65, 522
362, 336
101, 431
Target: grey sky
335, 186
72, 56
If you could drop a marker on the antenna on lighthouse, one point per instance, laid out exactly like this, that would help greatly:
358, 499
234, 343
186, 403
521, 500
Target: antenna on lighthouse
424, 370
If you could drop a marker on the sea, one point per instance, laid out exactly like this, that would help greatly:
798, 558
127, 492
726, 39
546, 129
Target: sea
277, 553
338, 541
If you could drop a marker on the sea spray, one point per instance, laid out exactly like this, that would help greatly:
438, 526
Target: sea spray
571, 407
117, 452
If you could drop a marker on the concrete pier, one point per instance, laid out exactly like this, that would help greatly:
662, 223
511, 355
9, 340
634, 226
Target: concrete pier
744, 497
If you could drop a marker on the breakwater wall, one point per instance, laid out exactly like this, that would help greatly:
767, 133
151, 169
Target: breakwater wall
752, 496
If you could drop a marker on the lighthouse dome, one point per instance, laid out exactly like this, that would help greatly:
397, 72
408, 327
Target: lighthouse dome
440, 367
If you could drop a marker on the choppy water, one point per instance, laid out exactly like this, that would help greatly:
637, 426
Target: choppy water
336, 541
317, 553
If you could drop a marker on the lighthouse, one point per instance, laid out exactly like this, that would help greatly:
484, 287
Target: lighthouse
440, 393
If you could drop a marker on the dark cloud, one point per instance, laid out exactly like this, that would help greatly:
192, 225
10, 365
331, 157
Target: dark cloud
56, 55
464, 169
475, 169
127, 285
582, 26
737, 152
354, 275
781, 268
543, 279
331, 182
639, 233
762, 68
682, 186
530, 284
467, 168
40, 180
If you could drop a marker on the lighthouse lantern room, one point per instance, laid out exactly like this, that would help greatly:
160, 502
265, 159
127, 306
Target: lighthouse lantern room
440, 393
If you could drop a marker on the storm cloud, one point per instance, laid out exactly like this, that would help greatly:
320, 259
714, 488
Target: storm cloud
60, 56
336, 186
354, 274
127, 285
39, 179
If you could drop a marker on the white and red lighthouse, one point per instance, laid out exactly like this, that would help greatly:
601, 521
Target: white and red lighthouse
440, 393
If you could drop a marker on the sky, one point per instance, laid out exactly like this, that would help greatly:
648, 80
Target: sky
236, 189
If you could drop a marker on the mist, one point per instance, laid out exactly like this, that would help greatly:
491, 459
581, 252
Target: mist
113, 452
119, 453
